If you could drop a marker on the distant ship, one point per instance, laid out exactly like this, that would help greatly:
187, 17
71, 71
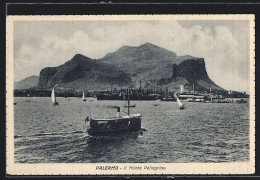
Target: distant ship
53, 98
240, 101
180, 104
168, 99
83, 97
116, 125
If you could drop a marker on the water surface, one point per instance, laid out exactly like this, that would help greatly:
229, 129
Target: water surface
203, 132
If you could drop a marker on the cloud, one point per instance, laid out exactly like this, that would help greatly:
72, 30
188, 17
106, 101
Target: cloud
225, 58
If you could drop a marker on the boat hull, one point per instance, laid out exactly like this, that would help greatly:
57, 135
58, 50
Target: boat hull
131, 106
55, 104
114, 126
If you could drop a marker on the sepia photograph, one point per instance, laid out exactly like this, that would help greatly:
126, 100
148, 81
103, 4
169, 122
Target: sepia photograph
130, 94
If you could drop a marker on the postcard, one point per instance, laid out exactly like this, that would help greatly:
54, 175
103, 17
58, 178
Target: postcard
130, 94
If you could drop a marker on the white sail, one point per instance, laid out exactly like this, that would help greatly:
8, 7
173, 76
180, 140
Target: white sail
83, 96
53, 98
179, 102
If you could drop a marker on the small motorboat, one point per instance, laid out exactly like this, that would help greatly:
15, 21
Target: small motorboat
116, 125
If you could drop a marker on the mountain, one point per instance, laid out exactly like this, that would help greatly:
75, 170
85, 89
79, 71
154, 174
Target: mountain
82, 72
155, 66
142, 59
27, 83
147, 66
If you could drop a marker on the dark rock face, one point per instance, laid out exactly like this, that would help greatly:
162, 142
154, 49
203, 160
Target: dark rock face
174, 71
149, 64
82, 71
45, 76
192, 70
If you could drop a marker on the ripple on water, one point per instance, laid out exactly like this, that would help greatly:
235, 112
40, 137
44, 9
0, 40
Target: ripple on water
201, 133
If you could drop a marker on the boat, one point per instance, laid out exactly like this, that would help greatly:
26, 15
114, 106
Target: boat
93, 98
53, 98
113, 126
129, 105
240, 101
83, 97
28, 100
168, 99
180, 104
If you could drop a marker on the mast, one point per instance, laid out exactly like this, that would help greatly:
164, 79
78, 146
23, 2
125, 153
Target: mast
111, 89
166, 93
210, 95
128, 101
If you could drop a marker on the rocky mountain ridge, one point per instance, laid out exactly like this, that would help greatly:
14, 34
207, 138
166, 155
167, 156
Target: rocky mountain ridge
27, 83
145, 66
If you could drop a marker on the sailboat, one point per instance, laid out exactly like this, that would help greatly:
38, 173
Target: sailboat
53, 98
180, 104
83, 97
116, 125
28, 100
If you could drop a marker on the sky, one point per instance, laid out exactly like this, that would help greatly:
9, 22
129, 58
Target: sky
224, 44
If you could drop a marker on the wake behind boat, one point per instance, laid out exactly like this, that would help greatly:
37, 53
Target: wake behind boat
116, 125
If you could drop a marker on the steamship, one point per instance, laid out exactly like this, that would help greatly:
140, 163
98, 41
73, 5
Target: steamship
112, 126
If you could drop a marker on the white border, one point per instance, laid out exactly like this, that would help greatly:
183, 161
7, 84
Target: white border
90, 168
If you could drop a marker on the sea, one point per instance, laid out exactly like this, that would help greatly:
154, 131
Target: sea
201, 133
